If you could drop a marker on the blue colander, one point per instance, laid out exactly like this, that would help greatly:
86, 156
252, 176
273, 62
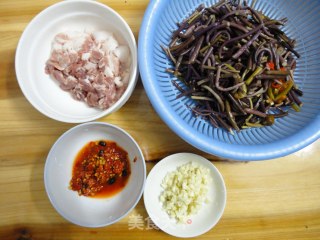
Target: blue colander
287, 135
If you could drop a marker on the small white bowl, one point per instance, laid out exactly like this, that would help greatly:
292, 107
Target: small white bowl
34, 50
207, 217
86, 211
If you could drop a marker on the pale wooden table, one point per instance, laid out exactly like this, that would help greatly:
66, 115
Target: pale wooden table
277, 199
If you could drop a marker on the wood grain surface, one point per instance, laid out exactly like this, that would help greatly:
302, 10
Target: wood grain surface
276, 199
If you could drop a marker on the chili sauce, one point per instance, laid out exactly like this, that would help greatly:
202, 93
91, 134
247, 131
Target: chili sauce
101, 169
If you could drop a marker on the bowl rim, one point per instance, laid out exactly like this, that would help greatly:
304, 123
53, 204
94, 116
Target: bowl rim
46, 169
268, 151
134, 73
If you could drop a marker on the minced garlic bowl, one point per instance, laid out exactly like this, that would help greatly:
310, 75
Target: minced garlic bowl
170, 189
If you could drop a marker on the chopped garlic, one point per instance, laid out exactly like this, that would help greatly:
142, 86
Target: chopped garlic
185, 191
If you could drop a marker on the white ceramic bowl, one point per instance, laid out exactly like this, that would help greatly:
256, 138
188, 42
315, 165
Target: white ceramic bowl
86, 211
34, 50
207, 217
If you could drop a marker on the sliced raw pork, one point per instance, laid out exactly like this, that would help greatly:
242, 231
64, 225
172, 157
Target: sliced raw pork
93, 67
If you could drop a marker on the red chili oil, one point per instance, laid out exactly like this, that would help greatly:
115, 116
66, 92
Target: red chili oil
101, 169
